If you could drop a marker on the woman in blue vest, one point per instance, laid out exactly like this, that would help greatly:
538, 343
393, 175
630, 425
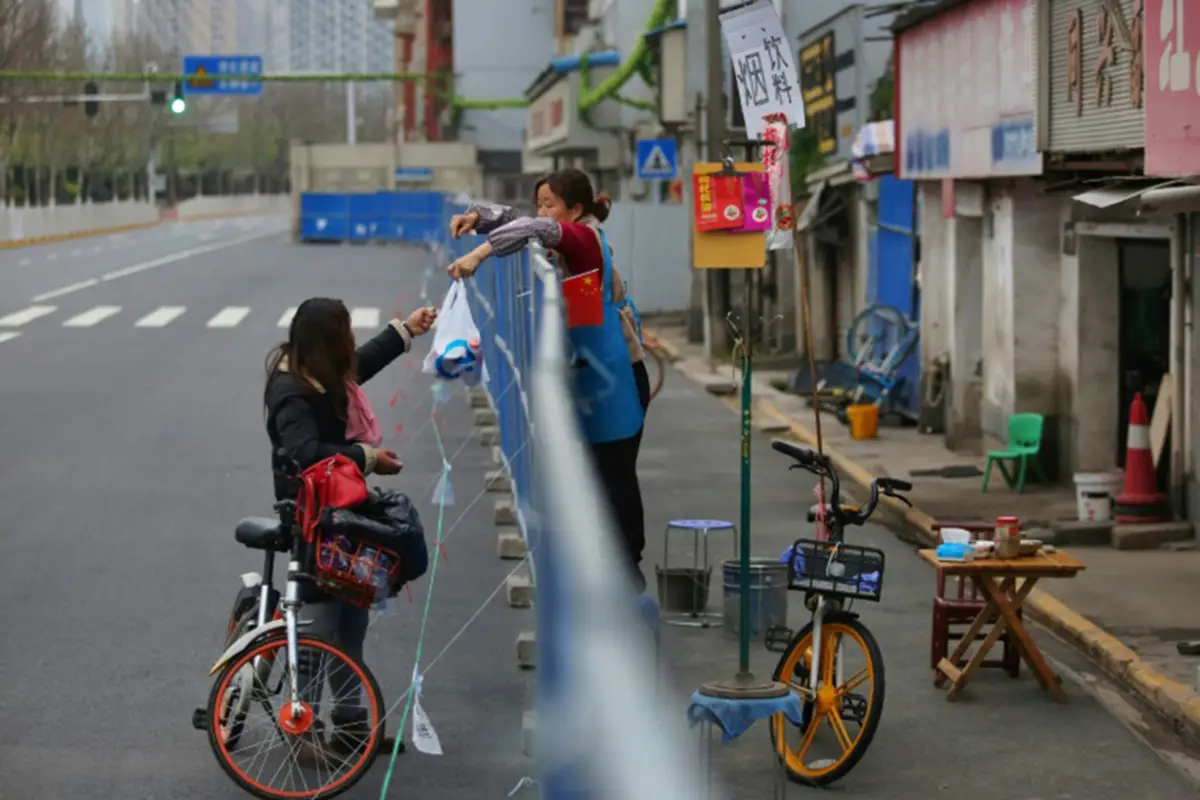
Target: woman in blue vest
611, 392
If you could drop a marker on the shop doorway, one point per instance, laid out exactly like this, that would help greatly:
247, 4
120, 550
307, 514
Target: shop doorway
1144, 337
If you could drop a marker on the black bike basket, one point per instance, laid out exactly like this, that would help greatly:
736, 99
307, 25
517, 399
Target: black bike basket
836, 569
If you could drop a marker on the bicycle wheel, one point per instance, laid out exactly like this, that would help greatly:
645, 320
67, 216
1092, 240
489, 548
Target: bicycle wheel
838, 700
320, 754
235, 702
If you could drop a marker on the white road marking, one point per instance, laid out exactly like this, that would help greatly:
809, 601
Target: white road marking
76, 252
8, 336
158, 262
228, 317
97, 248
364, 318
160, 317
59, 292
24, 262
52, 256
19, 318
90, 317
286, 319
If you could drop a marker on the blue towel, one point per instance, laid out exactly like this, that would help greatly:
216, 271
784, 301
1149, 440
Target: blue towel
735, 717
867, 582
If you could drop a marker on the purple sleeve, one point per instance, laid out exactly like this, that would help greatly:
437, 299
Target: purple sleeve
491, 217
508, 239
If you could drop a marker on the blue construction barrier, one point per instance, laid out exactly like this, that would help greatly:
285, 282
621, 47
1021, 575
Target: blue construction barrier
386, 216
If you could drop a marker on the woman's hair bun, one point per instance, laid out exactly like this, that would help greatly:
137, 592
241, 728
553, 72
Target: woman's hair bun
601, 206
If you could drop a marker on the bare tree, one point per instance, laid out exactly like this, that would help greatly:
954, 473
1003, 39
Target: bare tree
27, 30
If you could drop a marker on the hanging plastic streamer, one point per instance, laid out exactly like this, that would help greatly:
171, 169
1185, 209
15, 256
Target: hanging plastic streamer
821, 513
439, 393
443, 493
777, 166
424, 737
411, 694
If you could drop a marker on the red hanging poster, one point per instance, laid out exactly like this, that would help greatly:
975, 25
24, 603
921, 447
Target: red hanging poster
718, 202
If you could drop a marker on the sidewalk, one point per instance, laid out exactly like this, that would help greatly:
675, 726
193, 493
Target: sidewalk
1126, 611
1017, 741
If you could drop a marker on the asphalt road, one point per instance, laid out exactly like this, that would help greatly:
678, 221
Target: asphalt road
133, 440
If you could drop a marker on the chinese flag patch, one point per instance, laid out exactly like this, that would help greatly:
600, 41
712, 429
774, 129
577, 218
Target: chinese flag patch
583, 298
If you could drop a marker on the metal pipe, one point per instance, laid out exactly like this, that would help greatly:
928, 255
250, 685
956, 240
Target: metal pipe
351, 115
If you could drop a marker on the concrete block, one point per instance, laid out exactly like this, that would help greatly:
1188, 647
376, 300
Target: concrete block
497, 481
506, 513
497, 456
485, 418
528, 732
479, 398
720, 388
1151, 535
770, 425
1076, 534
519, 590
510, 544
489, 437
527, 650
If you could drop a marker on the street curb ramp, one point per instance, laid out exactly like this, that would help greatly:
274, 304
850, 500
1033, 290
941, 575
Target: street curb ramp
1175, 702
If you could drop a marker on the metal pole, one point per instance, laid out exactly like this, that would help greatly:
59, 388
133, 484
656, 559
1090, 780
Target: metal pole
714, 134
351, 115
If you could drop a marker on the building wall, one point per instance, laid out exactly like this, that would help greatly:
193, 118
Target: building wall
489, 72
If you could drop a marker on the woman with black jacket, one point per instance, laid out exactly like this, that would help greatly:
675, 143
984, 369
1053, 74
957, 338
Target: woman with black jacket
310, 398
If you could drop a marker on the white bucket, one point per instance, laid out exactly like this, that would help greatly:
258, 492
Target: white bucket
1094, 492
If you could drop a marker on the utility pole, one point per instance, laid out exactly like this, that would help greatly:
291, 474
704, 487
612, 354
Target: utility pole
351, 115
716, 295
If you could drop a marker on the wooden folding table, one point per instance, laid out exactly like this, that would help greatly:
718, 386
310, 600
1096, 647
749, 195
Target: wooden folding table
997, 580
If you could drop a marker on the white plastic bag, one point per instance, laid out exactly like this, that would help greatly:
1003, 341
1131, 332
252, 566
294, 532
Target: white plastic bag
457, 351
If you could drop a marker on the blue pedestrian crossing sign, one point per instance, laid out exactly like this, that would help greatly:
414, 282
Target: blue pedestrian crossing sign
657, 159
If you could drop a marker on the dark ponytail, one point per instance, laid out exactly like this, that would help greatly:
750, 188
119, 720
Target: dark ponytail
574, 187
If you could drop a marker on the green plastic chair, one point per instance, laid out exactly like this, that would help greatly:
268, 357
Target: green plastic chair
1024, 444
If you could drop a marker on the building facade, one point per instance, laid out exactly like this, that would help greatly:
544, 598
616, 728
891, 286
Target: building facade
334, 36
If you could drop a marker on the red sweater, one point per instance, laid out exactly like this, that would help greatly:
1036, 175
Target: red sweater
575, 243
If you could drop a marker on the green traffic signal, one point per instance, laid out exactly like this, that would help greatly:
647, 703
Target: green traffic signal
178, 103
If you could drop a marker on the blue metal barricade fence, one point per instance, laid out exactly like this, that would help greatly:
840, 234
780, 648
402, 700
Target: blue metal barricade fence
602, 729
389, 216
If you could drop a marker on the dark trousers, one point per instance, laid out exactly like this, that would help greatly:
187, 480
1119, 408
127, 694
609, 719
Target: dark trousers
616, 464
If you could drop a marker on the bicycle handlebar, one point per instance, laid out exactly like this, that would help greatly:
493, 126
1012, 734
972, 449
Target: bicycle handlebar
820, 464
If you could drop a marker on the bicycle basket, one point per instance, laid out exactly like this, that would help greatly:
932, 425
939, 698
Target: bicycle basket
359, 573
837, 569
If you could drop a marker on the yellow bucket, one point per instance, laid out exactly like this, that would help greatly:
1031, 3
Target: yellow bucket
864, 421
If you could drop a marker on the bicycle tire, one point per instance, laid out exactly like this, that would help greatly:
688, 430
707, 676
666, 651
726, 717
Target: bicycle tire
839, 769
371, 697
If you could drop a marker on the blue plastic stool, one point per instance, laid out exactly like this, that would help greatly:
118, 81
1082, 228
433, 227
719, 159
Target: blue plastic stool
683, 591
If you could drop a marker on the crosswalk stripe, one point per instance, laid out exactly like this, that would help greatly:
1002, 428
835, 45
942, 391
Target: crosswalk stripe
364, 318
8, 336
160, 317
90, 317
286, 320
19, 318
228, 317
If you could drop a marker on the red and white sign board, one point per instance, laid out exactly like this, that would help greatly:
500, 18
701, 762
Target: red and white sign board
1172, 46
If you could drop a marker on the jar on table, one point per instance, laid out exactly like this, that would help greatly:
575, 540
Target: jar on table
1007, 537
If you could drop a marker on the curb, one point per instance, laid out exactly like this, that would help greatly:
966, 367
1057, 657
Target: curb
30, 241
1174, 702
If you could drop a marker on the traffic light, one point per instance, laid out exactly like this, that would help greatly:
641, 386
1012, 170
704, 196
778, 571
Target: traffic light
91, 107
178, 103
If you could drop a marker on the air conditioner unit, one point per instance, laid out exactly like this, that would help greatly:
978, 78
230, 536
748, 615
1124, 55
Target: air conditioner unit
393, 9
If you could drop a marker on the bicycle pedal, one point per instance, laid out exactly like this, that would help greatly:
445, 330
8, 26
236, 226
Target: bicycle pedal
777, 639
200, 719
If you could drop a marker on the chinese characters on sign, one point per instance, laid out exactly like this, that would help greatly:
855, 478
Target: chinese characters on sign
1109, 53
236, 67
820, 93
1172, 89
763, 67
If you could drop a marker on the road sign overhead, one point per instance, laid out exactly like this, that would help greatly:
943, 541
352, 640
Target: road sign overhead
223, 75
657, 159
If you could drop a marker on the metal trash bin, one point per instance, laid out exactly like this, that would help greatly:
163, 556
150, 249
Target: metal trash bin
768, 595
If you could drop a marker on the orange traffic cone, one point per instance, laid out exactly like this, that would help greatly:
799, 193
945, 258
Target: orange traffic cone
1141, 501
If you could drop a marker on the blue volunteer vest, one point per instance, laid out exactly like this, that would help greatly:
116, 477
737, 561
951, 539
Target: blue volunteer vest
606, 398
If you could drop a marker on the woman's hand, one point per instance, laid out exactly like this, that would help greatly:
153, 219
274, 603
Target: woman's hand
420, 321
463, 223
465, 267
386, 462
